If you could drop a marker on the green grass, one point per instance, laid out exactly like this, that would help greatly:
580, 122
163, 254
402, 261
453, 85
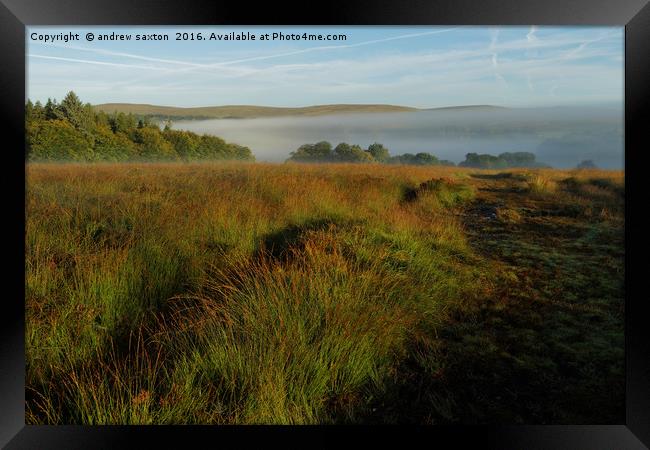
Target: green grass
259, 293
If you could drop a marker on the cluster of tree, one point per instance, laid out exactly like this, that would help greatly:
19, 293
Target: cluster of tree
503, 161
420, 159
323, 152
74, 131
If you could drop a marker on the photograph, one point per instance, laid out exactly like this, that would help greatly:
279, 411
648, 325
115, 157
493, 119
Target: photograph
325, 225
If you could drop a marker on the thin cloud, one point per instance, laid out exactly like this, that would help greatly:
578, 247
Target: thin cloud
494, 38
330, 47
306, 50
495, 57
191, 66
121, 54
583, 45
529, 82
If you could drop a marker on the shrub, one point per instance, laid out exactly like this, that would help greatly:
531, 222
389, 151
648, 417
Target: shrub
57, 140
539, 184
446, 191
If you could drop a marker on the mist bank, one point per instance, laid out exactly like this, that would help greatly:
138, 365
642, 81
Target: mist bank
558, 136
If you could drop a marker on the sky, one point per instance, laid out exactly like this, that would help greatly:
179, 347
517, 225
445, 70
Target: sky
424, 67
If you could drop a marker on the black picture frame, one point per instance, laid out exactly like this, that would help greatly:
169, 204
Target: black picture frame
15, 15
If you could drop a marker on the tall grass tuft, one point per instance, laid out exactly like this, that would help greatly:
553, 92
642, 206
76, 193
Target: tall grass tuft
541, 185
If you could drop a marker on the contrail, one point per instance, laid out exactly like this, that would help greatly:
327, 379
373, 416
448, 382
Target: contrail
495, 55
320, 48
125, 55
493, 42
191, 65
582, 46
297, 52
101, 63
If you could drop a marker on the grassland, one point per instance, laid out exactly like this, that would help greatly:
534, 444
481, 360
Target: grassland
260, 293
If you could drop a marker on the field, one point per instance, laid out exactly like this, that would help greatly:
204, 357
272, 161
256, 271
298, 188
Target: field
297, 294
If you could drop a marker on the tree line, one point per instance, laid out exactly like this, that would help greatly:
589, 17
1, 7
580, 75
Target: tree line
74, 131
375, 153
502, 161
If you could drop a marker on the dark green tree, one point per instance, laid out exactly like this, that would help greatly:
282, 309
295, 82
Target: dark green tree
38, 112
323, 151
519, 159
111, 146
360, 155
319, 152
425, 159
50, 109
379, 152
185, 143
122, 123
484, 161
343, 152
151, 145
75, 112
29, 110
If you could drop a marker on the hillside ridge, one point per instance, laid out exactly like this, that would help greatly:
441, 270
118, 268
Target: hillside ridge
253, 111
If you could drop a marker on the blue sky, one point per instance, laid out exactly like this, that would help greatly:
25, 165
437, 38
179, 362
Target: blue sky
412, 66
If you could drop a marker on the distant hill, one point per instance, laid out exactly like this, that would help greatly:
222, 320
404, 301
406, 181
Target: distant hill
467, 108
248, 111
244, 111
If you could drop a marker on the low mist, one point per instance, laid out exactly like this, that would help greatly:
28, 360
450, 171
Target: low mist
561, 136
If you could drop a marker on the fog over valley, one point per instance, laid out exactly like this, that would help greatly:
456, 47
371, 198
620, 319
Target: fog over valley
558, 136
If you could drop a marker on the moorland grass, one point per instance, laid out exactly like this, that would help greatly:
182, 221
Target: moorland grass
261, 293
